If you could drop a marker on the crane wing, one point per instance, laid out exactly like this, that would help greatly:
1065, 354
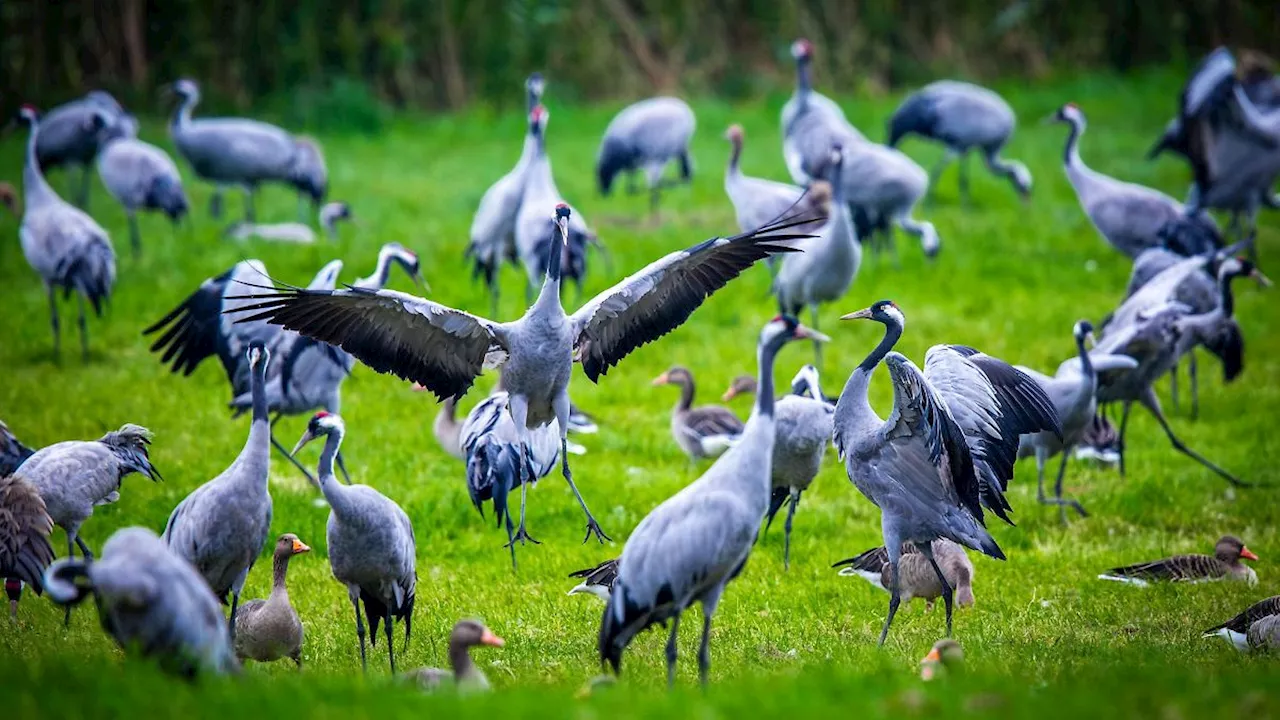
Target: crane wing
656, 300
993, 403
1160, 289
25, 527
415, 339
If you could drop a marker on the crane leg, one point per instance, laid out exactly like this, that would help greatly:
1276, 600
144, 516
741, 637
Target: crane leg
1193, 377
215, 203
88, 554
249, 214
71, 553
231, 622
84, 328
1057, 490
1152, 403
895, 596
1173, 386
671, 652
135, 237
965, 198
704, 648
522, 533
936, 172
561, 407
83, 200
786, 536
276, 444
391, 653
354, 593
1124, 425
53, 320
948, 593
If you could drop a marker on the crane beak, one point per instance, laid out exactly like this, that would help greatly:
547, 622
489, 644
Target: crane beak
1091, 339
420, 281
1262, 280
804, 333
300, 547
564, 230
660, 380
863, 314
1049, 119
488, 638
307, 437
1247, 554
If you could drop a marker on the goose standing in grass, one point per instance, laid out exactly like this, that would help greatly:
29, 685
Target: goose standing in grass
268, 630
596, 580
141, 176
247, 153
221, 527
64, 245
963, 117
297, 233
645, 137
493, 227
1256, 626
829, 264
704, 431
372, 550
945, 452
446, 349
25, 527
1128, 216
688, 548
1224, 563
464, 675
918, 578
73, 134
804, 427
151, 601
1073, 392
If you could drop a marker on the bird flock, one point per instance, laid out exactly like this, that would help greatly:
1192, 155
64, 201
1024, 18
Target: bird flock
938, 467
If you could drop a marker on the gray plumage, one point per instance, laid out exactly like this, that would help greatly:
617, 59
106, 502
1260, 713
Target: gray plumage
76, 476
247, 153
293, 232
758, 202
446, 349
702, 431
596, 580
918, 578
645, 137
141, 176
270, 629
150, 601
12, 451
221, 527
1237, 628
803, 428
1073, 394
1130, 217
688, 548
947, 449
372, 550
810, 113
65, 246
963, 117
493, 227
73, 133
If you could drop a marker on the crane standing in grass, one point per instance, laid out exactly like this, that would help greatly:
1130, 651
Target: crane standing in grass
141, 176
75, 132
646, 137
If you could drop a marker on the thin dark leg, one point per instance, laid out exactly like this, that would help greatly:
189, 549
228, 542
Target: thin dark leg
88, 554
786, 537
655, 194
704, 650
671, 652
1193, 374
592, 526
249, 213
1057, 490
215, 204
522, 533
1173, 386
1042, 456
391, 653
342, 465
948, 593
895, 596
1151, 403
135, 237
355, 601
1124, 424
53, 320
276, 444
84, 189
71, 553
965, 197
936, 172
235, 603
84, 328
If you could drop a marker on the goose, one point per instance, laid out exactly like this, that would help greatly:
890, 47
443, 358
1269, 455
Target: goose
946, 657
25, 527
1264, 613
464, 675
918, 579
1225, 563
704, 431
267, 630
293, 232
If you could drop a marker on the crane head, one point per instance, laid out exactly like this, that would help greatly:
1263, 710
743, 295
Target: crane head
562, 221
802, 49
258, 355
886, 312
734, 134
28, 115
1083, 331
1069, 113
535, 85
322, 424
789, 328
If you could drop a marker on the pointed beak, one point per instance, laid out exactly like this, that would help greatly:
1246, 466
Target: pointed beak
1263, 280
729, 394
660, 380
307, 437
488, 638
564, 230
1090, 339
1049, 119
300, 547
420, 281
1247, 554
862, 314
804, 333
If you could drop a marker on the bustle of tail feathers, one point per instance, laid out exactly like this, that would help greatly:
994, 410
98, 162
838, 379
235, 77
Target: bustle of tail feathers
916, 115
92, 272
1238, 640
777, 500
166, 194
987, 545
376, 610
130, 444
686, 166
308, 173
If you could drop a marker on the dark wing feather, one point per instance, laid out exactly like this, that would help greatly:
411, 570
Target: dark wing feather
415, 339
25, 527
656, 300
713, 420
603, 574
1178, 567
1240, 623
867, 561
191, 331
1228, 345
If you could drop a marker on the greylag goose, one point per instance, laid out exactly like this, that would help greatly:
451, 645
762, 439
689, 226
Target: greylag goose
464, 675
918, 577
267, 630
25, 527
704, 431
1224, 563
946, 656
1240, 630
596, 580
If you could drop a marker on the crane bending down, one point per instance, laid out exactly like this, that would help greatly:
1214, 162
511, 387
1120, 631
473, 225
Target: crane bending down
446, 349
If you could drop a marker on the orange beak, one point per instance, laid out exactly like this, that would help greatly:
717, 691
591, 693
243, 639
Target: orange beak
1247, 554
933, 656
488, 638
300, 547
729, 394
660, 380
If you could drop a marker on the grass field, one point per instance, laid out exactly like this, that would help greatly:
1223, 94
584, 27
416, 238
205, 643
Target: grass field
1045, 638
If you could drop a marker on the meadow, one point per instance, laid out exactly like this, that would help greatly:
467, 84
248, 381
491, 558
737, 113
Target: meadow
1045, 637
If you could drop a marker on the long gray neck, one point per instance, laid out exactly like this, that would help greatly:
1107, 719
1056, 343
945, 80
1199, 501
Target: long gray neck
549, 297
735, 154
35, 189
381, 274
1226, 298
259, 442
279, 569
460, 659
1071, 155
764, 383
182, 116
860, 379
803, 87
1086, 364
333, 491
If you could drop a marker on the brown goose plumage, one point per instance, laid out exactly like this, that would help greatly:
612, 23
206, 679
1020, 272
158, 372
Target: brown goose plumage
268, 630
1224, 563
704, 431
1236, 629
25, 527
464, 673
918, 578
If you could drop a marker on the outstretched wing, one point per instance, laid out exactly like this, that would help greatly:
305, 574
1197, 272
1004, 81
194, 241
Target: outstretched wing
193, 331
441, 348
993, 403
656, 300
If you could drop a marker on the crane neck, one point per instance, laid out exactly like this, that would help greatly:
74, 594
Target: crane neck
803, 86
381, 274
1226, 299
1071, 155
35, 188
260, 427
859, 382
1086, 363
182, 116
765, 353
892, 333
333, 491
550, 294
735, 155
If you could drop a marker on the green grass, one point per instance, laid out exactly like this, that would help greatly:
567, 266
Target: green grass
1044, 637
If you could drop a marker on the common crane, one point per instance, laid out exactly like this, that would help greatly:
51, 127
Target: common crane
75, 132
645, 137
141, 176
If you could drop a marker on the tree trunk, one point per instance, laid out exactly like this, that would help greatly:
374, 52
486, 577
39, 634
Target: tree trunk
133, 19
